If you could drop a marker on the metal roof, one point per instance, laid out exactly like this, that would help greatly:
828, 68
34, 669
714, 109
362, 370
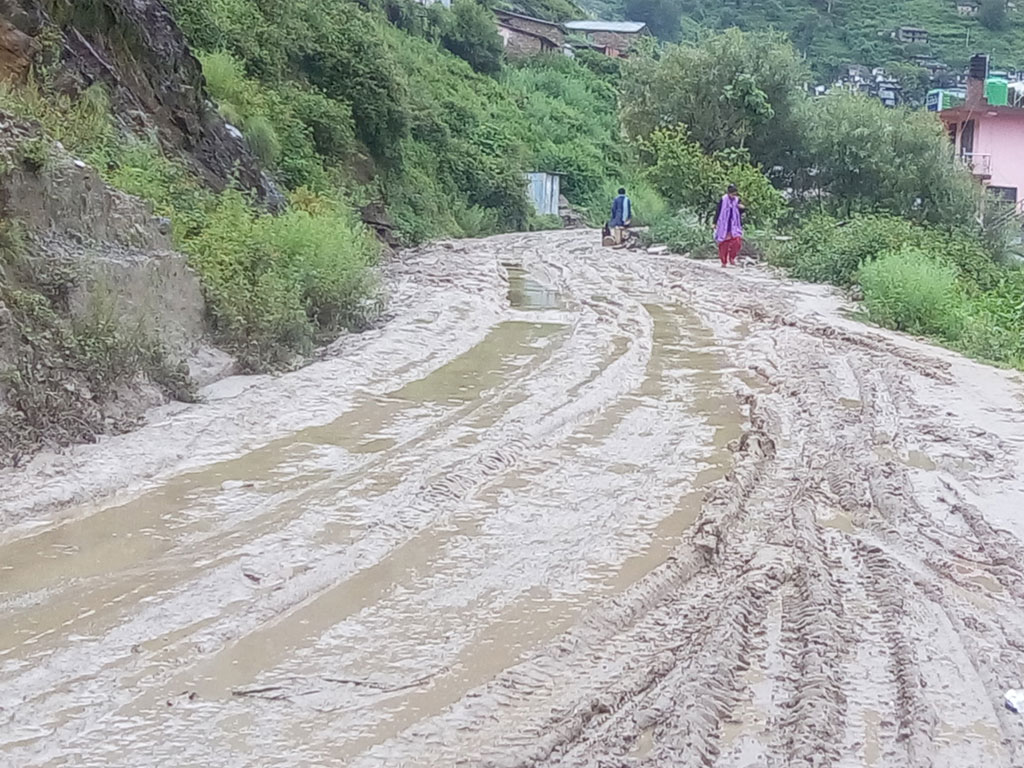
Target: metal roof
514, 15
605, 26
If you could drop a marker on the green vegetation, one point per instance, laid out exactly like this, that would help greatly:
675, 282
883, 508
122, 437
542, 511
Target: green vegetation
910, 291
925, 280
688, 178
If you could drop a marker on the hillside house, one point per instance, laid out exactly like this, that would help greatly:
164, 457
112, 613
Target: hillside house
987, 132
615, 38
967, 8
912, 35
528, 36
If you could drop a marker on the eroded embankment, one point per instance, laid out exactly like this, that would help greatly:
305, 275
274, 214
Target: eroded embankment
569, 507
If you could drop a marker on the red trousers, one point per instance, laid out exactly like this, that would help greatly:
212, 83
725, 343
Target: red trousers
729, 249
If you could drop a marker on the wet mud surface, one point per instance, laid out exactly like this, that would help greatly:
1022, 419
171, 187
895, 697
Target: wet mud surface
568, 507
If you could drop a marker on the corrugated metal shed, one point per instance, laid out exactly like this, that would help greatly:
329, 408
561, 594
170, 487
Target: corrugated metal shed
626, 27
543, 190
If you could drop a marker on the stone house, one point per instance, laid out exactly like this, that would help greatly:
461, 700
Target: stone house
616, 38
519, 43
528, 36
967, 7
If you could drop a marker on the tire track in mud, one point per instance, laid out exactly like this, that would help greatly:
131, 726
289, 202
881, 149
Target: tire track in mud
838, 590
849, 593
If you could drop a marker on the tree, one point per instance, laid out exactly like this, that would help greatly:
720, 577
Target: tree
690, 178
732, 89
866, 157
992, 14
473, 37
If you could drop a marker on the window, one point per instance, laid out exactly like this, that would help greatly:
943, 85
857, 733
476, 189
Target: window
1004, 194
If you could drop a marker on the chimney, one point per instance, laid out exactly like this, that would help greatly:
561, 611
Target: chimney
977, 73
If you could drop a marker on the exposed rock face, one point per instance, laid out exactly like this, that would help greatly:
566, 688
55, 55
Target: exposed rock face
155, 81
96, 254
17, 50
123, 252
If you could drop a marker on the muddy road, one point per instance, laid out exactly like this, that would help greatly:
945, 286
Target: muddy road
567, 507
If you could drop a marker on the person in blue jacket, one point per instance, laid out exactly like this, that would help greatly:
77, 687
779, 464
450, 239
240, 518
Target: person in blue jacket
622, 216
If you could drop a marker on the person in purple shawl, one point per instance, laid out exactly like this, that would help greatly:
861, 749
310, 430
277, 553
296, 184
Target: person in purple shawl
729, 226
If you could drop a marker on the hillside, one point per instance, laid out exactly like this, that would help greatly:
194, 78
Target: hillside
834, 33
336, 117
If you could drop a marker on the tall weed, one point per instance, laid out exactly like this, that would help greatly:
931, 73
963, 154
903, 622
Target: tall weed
908, 290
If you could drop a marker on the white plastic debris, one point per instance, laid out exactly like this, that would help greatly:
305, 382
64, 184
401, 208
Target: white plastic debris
1014, 700
234, 485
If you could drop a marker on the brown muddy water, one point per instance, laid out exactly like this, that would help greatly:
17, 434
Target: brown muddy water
570, 507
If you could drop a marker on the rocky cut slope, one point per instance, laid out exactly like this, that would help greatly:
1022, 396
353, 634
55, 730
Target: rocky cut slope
99, 316
136, 50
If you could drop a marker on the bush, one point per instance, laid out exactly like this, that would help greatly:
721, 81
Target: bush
825, 250
683, 233
262, 138
273, 283
994, 322
908, 290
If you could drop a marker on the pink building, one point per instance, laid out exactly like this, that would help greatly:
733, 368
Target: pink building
990, 140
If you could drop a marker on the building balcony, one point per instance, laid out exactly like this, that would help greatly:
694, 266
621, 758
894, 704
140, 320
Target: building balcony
979, 165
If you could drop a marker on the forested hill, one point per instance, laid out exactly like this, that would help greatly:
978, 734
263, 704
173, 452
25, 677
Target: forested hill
834, 33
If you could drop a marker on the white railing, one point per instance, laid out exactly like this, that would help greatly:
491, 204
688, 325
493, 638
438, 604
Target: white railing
980, 165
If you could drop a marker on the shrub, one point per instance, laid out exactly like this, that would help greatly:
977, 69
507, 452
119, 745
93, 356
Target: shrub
910, 291
34, 154
825, 250
475, 221
683, 233
225, 78
829, 251
994, 322
262, 138
273, 283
